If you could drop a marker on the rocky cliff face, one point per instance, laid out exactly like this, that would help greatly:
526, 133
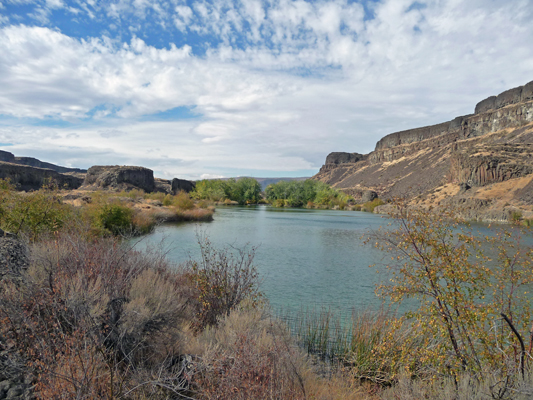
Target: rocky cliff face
334, 159
31, 178
120, 177
182, 185
471, 158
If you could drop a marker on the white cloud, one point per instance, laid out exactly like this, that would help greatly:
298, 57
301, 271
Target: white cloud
55, 3
211, 176
286, 84
183, 17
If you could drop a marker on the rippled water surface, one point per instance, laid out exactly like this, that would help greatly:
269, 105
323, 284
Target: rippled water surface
305, 258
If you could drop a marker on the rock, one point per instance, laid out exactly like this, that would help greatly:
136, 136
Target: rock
486, 105
31, 178
464, 187
182, 185
4, 388
342, 158
15, 392
13, 257
459, 124
120, 178
527, 92
162, 185
419, 134
6, 156
333, 160
369, 195
511, 96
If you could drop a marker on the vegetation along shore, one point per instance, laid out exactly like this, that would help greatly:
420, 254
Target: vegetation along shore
85, 316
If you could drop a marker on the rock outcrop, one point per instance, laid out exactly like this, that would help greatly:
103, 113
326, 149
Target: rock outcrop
31, 178
182, 185
163, 185
120, 178
488, 153
334, 159
517, 95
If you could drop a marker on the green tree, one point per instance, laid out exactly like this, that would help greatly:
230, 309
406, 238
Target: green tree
243, 190
300, 193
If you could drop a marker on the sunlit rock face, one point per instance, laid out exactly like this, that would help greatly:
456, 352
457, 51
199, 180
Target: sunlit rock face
490, 149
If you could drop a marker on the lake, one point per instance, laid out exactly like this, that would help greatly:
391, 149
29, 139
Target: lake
305, 258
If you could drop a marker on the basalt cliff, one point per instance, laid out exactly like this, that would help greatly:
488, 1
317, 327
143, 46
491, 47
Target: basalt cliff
27, 173
481, 163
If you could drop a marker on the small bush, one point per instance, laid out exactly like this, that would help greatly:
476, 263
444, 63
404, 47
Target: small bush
251, 358
115, 219
32, 214
183, 201
516, 216
167, 200
223, 279
369, 206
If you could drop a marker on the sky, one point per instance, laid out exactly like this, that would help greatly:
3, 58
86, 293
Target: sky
263, 88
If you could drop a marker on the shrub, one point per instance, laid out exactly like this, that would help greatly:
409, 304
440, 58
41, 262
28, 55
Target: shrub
371, 205
223, 279
251, 358
183, 201
115, 219
516, 216
167, 200
32, 214
470, 315
95, 319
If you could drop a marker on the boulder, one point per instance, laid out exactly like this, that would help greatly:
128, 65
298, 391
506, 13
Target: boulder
369, 195
120, 178
182, 185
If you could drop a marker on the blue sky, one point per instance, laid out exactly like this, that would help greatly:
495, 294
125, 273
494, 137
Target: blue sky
196, 89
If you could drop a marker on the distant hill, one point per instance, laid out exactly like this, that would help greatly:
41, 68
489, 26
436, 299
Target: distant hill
6, 156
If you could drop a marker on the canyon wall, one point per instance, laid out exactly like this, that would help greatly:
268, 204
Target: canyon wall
471, 154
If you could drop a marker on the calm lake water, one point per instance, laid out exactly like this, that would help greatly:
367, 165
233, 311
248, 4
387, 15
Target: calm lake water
305, 258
